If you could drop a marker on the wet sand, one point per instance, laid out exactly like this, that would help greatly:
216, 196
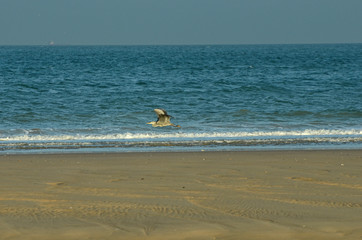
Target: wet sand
203, 195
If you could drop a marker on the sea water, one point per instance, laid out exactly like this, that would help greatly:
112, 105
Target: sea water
232, 97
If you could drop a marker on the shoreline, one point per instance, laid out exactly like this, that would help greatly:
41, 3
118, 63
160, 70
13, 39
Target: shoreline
271, 194
24, 153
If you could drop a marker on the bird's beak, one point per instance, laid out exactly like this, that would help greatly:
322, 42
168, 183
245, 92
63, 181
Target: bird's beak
149, 123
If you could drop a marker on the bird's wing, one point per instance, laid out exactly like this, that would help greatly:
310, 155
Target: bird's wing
163, 117
160, 112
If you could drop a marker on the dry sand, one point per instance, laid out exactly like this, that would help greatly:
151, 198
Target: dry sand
204, 195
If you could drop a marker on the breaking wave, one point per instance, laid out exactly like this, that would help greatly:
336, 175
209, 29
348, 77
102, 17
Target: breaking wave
179, 140
181, 135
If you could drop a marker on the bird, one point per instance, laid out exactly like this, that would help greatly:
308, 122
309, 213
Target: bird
163, 119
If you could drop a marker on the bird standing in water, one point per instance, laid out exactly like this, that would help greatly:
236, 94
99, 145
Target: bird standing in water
163, 119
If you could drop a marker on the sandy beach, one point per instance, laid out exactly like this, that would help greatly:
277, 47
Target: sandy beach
189, 195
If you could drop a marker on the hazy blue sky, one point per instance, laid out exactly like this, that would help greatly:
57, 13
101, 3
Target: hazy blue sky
180, 21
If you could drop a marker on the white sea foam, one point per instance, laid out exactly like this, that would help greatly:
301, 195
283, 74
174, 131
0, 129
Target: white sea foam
184, 135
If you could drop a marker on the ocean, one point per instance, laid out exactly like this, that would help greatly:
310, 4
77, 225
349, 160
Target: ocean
56, 99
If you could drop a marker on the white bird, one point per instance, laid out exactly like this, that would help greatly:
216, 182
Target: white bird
163, 119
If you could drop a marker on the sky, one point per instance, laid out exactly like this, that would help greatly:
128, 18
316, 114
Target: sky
159, 22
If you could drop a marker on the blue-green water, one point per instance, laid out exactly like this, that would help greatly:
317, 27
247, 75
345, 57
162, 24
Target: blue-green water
99, 98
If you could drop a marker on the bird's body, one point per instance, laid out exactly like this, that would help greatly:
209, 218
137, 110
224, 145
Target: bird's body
163, 119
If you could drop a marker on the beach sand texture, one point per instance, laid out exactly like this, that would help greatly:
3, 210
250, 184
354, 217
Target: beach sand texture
189, 195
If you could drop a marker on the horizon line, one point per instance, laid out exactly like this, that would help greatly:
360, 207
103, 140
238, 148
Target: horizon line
177, 44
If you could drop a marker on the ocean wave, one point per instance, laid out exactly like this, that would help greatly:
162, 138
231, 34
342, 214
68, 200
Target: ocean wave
183, 135
141, 145
153, 141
